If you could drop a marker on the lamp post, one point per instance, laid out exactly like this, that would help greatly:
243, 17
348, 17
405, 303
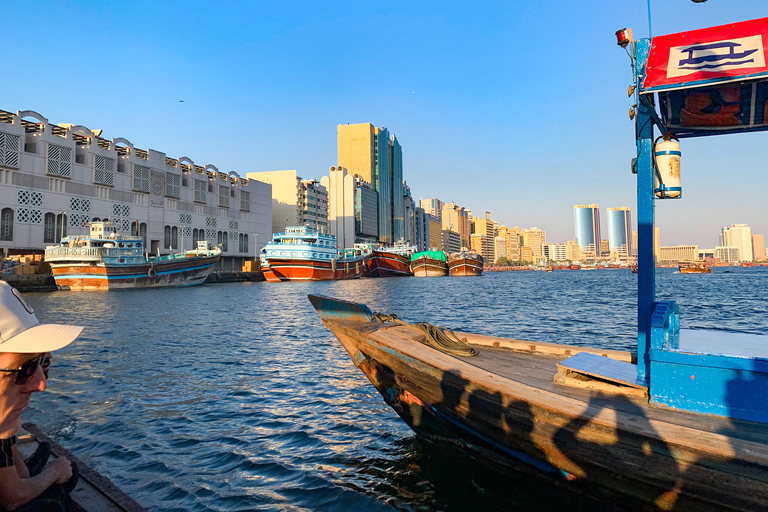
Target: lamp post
181, 237
63, 217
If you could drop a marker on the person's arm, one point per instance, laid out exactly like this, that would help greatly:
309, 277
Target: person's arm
15, 491
21, 468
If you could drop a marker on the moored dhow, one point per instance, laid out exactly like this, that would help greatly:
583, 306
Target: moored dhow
693, 267
465, 263
429, 264
107, 260
391, 261
302, 253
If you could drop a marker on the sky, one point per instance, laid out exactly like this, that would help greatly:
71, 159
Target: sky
516, 108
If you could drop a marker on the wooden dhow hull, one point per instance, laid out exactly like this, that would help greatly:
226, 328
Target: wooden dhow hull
465, 266
310, 270
387, 264
85, 276
505, 403
428, 267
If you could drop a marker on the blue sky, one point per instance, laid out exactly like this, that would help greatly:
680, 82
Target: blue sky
517, 108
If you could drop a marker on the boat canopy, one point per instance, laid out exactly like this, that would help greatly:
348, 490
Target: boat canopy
435, 255
712, 80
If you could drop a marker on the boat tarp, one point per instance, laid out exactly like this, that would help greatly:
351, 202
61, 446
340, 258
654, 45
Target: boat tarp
435, 255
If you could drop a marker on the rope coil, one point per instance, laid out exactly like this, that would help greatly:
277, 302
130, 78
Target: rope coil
441, 338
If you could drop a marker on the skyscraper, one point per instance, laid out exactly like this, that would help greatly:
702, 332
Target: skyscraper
377, 158
620, 231
586, 223
739, 236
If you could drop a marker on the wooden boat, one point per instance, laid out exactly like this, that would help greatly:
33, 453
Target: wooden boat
108, 260
429, 264
520, 402
304, 254
465, 263
94, 492
633, 268
392, 261
693, 267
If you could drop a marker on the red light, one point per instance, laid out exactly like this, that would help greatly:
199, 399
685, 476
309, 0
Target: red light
622, 37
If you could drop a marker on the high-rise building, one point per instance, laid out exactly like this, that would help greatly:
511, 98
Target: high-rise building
450, 241
377, 158
758, 247
586, 222
455, 218
295, 202
556, 252
620, 232
739, 236
366, 212
341, 205
484, 226
435, 236
534, 238
433, 207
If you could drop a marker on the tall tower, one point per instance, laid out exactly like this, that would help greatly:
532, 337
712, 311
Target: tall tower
739, 236
586, 222
620, 231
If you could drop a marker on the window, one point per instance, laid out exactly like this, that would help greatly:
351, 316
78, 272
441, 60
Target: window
223, 196
6, 224
61, 226
59, 161
175, 237
9, 150
49, 228
245, 201
232, 192
140, 178
103, 170
167, 237
224, 238
201, 190
172, 185
243, 242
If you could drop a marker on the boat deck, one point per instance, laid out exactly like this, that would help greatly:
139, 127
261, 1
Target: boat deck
538, 370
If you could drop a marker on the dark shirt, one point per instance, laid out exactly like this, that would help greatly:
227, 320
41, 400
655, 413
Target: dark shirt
6, 451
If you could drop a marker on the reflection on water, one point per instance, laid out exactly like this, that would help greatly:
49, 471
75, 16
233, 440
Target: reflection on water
235, 397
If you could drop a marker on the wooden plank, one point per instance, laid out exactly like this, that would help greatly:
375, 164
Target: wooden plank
604, 368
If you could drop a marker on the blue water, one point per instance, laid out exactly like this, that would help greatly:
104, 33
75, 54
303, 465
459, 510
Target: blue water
234, 396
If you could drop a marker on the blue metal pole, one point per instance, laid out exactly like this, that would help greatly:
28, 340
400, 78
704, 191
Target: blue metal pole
646, 283
650, 32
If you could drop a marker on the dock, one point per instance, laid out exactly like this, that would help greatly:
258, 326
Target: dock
94, 492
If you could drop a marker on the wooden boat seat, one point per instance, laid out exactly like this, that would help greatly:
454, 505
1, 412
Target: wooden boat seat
603, 368
733, 344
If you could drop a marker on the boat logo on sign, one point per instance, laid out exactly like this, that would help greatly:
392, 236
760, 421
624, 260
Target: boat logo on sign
717, 56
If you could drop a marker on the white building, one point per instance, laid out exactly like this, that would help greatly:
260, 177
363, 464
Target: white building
341, 205
56, 178
295, 202
558, 252
678, 253
740, 237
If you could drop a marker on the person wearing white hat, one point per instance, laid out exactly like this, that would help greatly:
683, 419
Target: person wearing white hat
25, 346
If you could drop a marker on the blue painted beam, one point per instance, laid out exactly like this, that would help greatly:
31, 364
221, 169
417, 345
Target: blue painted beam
646, 283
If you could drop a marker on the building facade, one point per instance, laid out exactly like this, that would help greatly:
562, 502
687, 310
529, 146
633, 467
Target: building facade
758, 247
679, 253
295, 201
586, 224
620, 232
433, 207
54, 179
341, 205
534, 238
435, 233
740, 237
456, 218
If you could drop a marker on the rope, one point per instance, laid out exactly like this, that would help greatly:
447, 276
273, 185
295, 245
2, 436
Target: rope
440, 338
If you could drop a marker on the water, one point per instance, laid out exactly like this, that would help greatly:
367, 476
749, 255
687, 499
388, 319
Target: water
235, 397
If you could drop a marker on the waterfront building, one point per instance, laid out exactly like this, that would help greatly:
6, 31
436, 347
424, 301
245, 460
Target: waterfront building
758, 247
512, 237
366, 212
534, 238
526, 254
556, 252
500, 242
421, 229
727, 254
341, 205
377, 158
604, 248
586, 221
739, 236
409, 216
433, 207
573, 251
54, 179
486, 227
478, 242
677, 253
295, 201
451, 241
620, 232
435, 240
456, 218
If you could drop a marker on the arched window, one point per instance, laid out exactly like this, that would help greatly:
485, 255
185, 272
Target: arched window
167, 237
245, 244
175, 237
6, 224
143, 232
218, 238
224, 237
194, 237
240, 240
61, 226
95, 219
49, 228
135, 228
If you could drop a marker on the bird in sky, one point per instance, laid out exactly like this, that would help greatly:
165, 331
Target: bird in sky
181, 101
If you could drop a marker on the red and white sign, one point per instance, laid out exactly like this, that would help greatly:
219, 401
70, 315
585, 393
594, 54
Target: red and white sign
728, 51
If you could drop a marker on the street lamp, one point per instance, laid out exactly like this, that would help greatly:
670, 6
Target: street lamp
63, 217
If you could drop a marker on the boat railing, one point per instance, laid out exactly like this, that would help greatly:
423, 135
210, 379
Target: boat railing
91, 252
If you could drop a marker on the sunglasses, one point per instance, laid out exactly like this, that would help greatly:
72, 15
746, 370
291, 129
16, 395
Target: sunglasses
28, 369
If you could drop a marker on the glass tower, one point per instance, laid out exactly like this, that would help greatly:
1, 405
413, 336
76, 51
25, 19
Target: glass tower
620, 230
586, 223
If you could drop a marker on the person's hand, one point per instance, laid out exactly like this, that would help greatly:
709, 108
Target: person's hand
62, 468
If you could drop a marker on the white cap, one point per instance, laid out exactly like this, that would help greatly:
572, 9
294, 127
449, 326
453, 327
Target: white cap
22, 333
